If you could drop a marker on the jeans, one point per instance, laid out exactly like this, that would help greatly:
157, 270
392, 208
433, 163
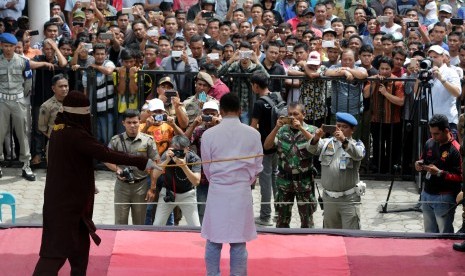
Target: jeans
202, 193
267, 180
237, 254
434, 209
105, 127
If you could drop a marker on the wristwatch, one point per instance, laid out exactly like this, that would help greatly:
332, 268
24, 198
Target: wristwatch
440, 172
345, 142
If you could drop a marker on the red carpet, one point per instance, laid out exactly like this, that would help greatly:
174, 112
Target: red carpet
181, 253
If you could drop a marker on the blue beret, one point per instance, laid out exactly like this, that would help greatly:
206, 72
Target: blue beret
346, 118
8, 38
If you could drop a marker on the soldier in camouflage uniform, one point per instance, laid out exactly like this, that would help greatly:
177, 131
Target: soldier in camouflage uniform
295, 178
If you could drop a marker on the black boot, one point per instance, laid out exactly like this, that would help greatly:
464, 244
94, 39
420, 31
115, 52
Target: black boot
27, 172
459, 246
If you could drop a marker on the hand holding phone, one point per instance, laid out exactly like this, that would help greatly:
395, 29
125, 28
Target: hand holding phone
286, 120
329, 128
33, 33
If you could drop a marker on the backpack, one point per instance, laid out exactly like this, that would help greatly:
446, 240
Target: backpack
278, 106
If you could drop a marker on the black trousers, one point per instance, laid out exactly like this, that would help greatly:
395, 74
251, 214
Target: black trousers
47, 266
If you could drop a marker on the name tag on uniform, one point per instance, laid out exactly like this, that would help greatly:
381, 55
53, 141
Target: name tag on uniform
142, 149
342, 164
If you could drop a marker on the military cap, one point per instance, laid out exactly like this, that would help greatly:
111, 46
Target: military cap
8, 38
346, 118
205, 77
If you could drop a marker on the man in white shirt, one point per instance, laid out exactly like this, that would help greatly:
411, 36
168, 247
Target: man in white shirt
445, 88
229, 211
390, 27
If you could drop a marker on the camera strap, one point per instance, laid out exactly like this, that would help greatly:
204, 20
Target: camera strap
123, 143
172, 181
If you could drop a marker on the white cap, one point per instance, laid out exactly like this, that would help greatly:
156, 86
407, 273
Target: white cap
314, 58
445, 8
155, 104
446, 53
437, 49
211, 105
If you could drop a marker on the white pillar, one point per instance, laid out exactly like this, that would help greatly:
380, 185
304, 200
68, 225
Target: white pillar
39, 13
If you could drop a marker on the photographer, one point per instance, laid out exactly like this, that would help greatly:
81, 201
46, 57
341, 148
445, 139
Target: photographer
178, 183
442, 163
295, 180
131, 183
340, 158
445, 89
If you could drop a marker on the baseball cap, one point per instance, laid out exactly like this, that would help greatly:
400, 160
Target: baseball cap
445, 8
307, 11
211, 105
437, 49
166, 80
314, 58
79, 14
155, 104
329, 30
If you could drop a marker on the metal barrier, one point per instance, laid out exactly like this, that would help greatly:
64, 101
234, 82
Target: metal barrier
332, 96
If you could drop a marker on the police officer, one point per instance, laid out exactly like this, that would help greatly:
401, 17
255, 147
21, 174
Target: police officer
131, 184
295, 180
49, 109
340, 157
15, 73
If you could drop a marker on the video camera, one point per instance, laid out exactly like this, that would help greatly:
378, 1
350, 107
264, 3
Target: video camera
425, 73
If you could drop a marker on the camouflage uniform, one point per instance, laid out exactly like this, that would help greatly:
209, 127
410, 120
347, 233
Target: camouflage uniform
295, 178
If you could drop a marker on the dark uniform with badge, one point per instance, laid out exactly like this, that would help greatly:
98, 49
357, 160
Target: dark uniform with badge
15, 74
340, 162
295, 178
133, 189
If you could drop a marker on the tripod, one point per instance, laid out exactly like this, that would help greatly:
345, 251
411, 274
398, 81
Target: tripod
422, 112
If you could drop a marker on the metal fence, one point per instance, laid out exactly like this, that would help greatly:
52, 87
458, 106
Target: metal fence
387, 144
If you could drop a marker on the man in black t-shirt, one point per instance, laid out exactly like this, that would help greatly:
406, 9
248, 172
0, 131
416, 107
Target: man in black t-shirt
261, 120
442, 162
178, 182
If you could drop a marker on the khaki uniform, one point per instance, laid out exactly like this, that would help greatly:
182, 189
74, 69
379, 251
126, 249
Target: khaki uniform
13, 103
48, 113
143, 145
339, 175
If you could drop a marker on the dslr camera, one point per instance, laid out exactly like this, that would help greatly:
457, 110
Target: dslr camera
179, 153
128, 174
169, 197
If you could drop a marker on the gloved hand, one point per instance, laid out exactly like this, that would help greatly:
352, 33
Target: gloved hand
360, 188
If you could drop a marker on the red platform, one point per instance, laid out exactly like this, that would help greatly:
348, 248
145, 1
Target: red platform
181, 253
